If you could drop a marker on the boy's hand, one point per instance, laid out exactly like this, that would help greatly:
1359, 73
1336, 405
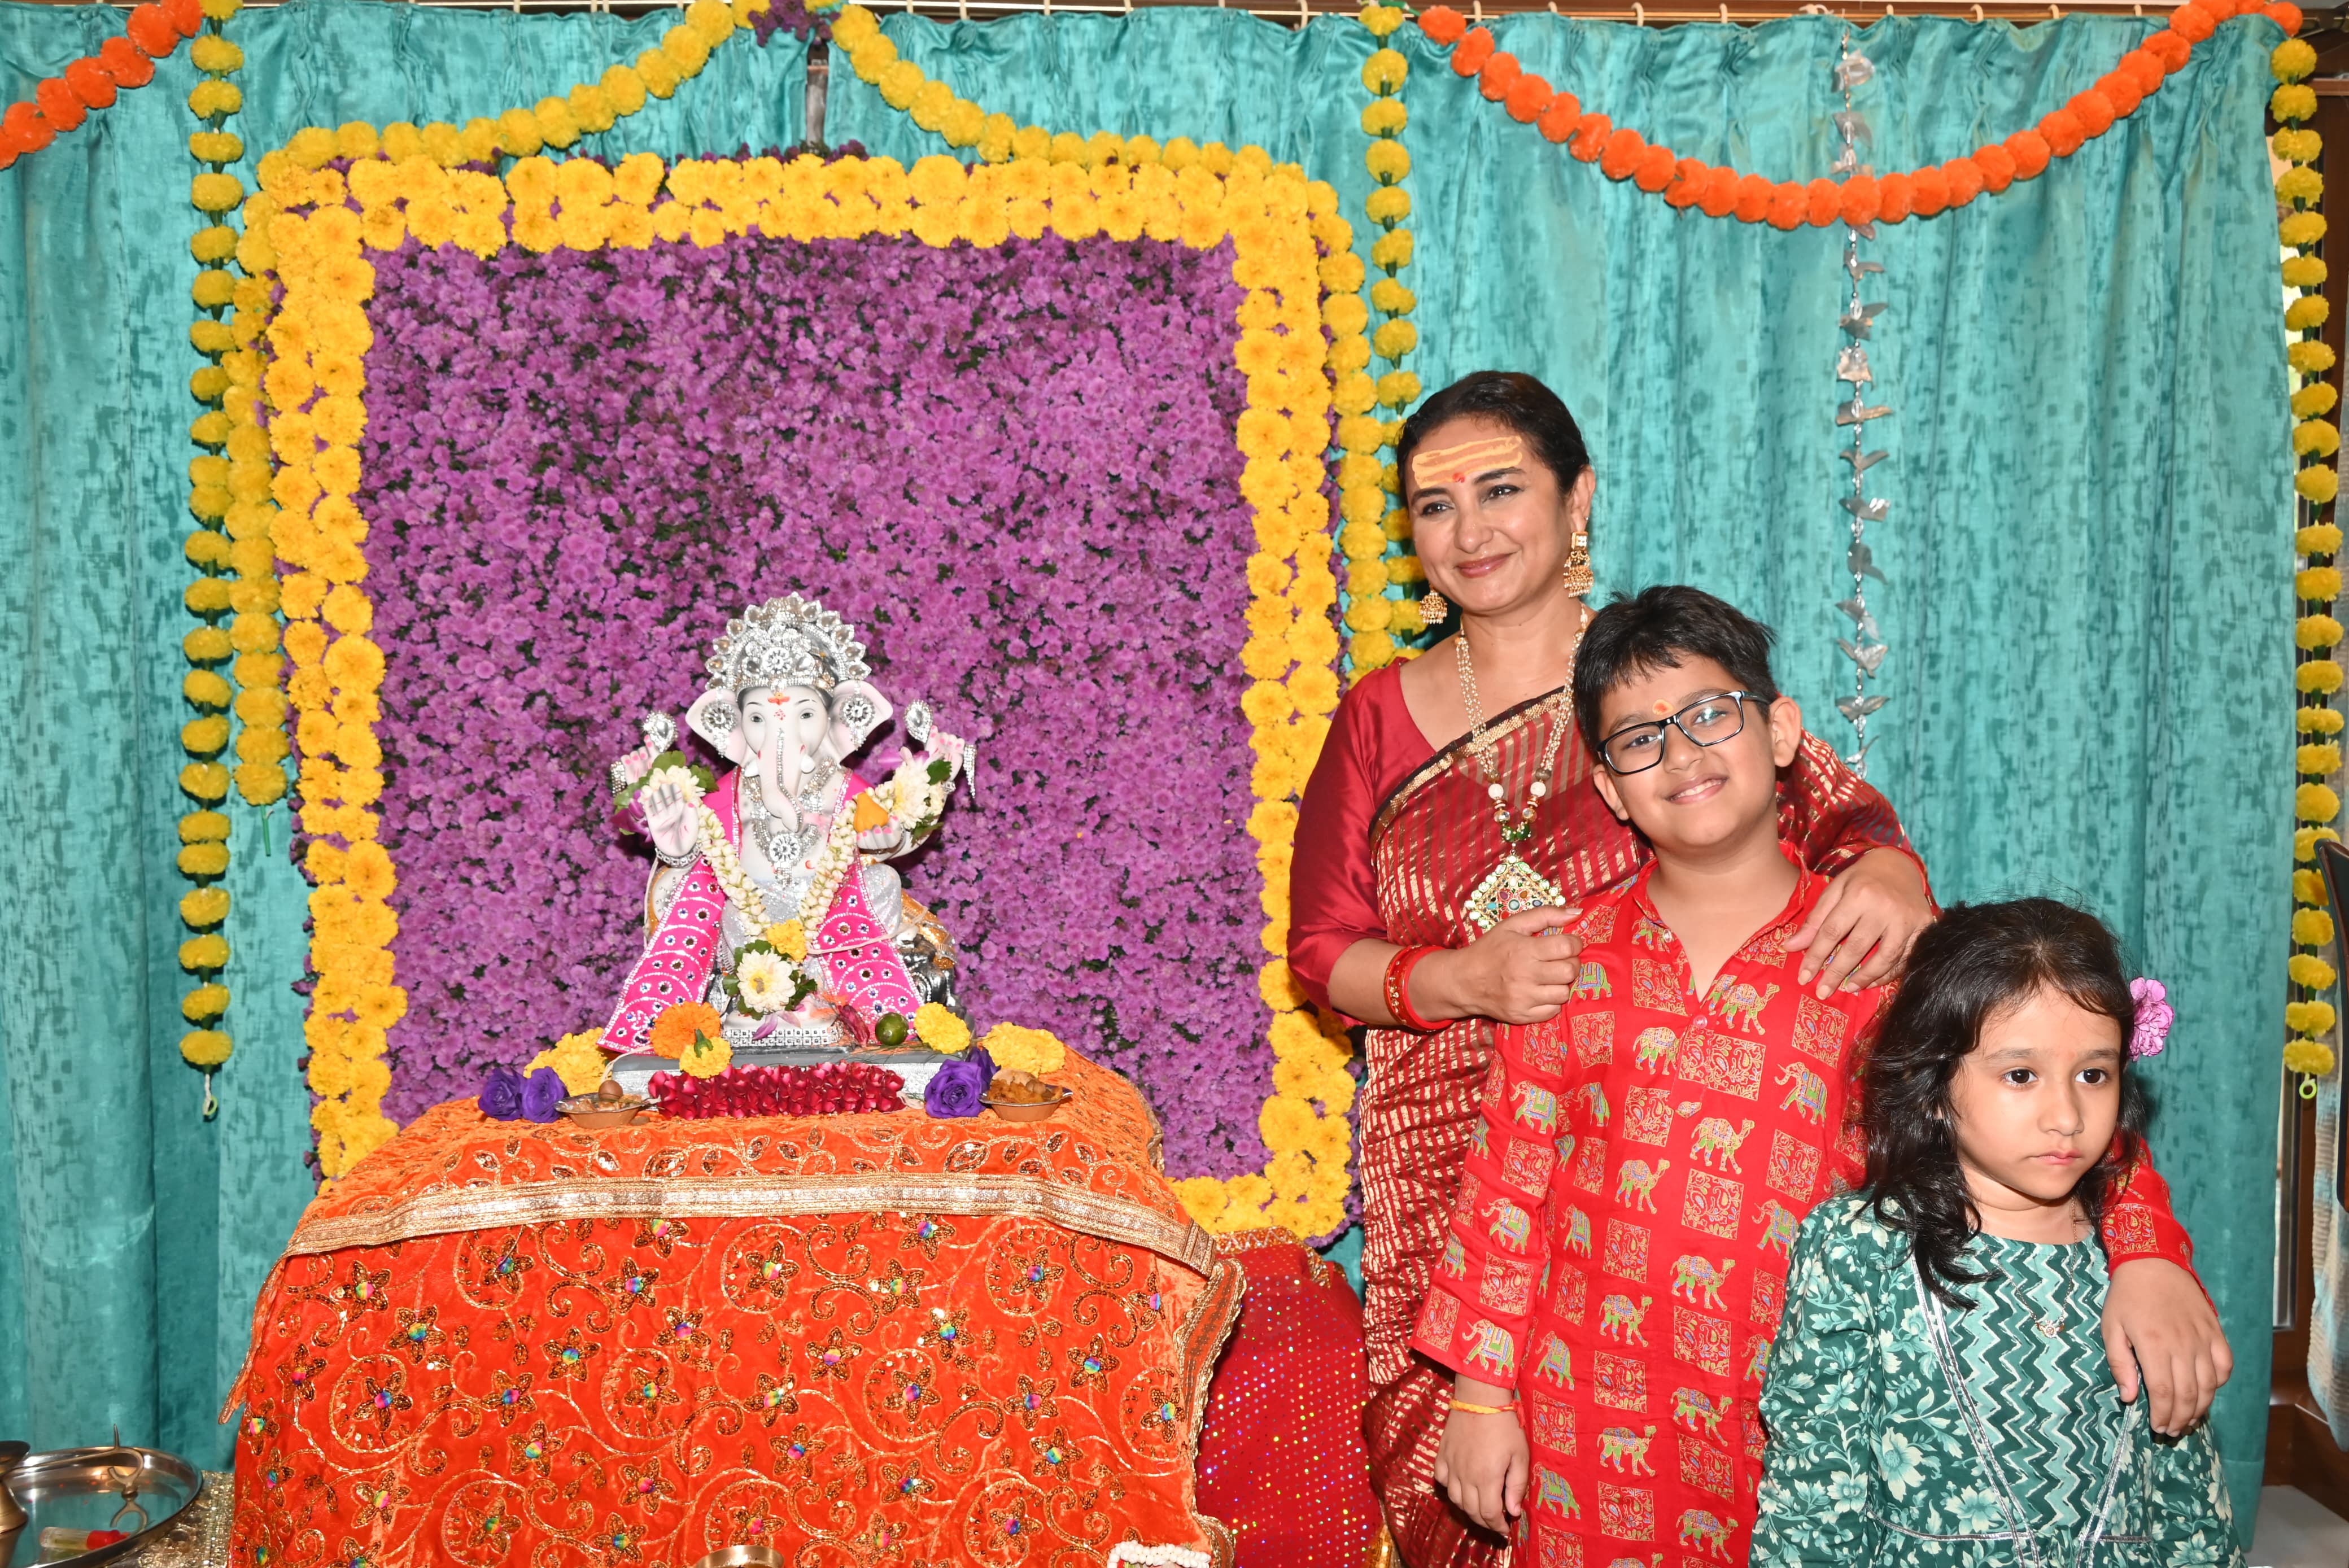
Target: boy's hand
1482, 1467
2157, 1320
1862, 926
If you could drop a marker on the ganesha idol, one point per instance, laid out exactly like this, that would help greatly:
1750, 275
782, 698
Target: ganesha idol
770, 901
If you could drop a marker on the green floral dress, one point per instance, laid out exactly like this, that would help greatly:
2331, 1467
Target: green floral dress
1877, 1455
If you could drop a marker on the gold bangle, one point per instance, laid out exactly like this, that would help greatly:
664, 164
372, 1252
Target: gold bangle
1485, 1409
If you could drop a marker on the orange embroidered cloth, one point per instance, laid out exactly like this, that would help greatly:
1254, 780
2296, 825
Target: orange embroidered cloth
884, 1339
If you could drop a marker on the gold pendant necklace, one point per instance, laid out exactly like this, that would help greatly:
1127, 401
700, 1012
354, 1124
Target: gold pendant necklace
1512, 886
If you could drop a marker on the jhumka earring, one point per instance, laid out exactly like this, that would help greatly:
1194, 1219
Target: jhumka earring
1432, 608
1577, 565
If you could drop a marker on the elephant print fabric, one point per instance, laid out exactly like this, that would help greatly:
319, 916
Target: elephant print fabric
1699, 1141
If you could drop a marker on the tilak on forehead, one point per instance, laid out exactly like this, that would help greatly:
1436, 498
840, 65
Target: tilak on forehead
1454, 465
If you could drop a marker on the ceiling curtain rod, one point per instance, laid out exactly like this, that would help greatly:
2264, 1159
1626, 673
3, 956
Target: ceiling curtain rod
1295, 13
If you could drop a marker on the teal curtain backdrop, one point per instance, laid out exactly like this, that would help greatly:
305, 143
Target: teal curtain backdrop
2086, 557
138, 1235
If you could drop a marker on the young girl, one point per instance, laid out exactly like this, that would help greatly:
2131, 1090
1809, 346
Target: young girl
1940, 1393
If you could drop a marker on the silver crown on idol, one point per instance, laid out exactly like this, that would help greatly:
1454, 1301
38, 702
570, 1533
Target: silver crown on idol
789, 640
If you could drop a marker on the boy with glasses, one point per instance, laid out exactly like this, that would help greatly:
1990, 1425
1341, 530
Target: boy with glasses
1619, 1244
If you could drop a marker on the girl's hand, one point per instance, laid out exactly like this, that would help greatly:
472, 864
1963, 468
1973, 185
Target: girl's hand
2160, 1331
1520, 972
1483, 1460
1862, 926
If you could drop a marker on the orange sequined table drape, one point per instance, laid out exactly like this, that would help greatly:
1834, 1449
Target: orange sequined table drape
881, 1340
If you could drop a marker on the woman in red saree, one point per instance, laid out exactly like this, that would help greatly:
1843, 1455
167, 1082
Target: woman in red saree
1451, 810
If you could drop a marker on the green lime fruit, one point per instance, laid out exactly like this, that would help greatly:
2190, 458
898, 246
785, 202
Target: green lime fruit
892, 1029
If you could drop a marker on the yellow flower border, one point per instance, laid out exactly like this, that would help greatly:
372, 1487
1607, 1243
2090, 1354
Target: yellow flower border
309, 365
2316, 441
233, 573
1375, 538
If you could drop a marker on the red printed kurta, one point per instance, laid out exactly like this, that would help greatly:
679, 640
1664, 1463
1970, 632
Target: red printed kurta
1619, 1244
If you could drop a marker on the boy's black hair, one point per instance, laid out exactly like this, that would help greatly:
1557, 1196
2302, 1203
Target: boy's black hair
1972, 964
1658, 628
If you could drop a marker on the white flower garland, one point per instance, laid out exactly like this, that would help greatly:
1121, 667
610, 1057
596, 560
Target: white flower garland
1134, 1553
915, 798
728, 867
831, 865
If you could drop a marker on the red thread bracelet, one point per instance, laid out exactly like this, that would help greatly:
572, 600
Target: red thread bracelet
1398, 988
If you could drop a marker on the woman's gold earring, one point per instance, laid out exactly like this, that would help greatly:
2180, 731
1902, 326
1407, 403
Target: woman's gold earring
1578, 579
1432, 608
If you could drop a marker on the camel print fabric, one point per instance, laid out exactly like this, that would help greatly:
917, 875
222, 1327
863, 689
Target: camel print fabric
1620, 1242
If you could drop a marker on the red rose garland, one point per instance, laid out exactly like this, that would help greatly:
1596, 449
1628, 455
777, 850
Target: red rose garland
61, 102
1621, 153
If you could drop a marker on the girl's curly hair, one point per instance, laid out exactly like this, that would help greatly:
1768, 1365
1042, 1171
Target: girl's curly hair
1975, 962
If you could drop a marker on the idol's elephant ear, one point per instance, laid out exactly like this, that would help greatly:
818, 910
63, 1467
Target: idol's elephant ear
715, 718
857, 710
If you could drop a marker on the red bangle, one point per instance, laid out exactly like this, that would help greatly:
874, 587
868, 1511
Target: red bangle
1398, 988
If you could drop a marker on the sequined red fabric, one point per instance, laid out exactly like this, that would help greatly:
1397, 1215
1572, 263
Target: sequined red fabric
1281, 1460
877, 1339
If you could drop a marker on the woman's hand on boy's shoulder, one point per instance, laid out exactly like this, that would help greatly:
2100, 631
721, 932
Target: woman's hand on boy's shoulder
1861, 929
2163, 1338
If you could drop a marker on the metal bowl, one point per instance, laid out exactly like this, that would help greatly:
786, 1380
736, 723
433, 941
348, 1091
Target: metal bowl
1030, 1110
586, 1111
99, 1489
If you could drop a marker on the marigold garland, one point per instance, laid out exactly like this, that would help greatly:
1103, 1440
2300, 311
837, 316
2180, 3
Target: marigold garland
1376, 531
304, 232
229, 548
60, 103
2315, 438
1621, 153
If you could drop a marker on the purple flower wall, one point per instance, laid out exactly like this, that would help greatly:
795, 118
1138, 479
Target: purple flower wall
1013, 469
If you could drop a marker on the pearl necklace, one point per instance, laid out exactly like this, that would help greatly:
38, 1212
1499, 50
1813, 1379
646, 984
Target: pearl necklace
1481, 750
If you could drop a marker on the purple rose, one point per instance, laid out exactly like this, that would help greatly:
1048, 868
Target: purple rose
501, 1099
979, 1057
540, 1093
958, 1088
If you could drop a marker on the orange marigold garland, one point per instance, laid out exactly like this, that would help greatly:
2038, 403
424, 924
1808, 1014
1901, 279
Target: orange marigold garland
2315, 443
229, 548
60, 103
1621, 153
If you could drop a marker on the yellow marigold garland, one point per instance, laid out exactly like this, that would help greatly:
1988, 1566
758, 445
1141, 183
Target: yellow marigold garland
2315, 438
313, 244
235, 583
1376, 533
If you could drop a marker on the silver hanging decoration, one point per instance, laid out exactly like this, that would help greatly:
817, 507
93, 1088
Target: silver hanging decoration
1865, 647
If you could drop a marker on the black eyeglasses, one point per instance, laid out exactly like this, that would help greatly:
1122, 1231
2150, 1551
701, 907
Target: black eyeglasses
1707, 721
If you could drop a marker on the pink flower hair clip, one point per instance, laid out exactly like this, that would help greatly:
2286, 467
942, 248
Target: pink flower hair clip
2154, 1017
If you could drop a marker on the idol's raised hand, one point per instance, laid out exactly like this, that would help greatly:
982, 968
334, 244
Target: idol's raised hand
669, 817
1861, 929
